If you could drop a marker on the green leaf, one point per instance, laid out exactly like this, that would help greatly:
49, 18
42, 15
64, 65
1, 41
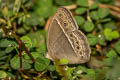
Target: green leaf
15, 63
16, 7
94, 15
64, 2
106, 20
110, 25
1, 34
110, 61
91, 75
117, 47
44, 8
94, 5
40, 64
21, 30
115, 34
51, 68
80, 20
101, 39
2, 53
88, 26
35, 19
63, 61
6, 43
80, 10
5, 11
3, 74
114, 72
69, 72
25, 65
111, 54
4, 57
34, 54
27, 41
103, 12
81, 68
107, 33
38, 40
92, 39
83, 3
9, 49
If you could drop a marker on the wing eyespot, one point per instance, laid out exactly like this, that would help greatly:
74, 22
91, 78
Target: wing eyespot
65, 23
71, 35
78, 47
60, 15
81, 56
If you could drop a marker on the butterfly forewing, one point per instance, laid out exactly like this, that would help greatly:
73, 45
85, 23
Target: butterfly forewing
64, 40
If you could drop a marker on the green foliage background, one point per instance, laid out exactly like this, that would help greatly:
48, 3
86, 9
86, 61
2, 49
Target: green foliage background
25, 20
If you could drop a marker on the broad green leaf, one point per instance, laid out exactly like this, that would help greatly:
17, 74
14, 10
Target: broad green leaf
103, 12
81, 68
63, 61
21, 30
94, 15
16, 7
64, 2
111, 58
34, 19
94, 5
91, 75
69, 72
111, 54
5, 11
9, 49
115, 34
106, 20
117, 47
25, 65
27, 41
101, 39
34, 54
110, 25
107, 33
2, 53
3, 74
45, 3
15, 63
1, 33
51, 68
4, 57
80, 10
40, 64
88, 26
114, 72
6, 43
38, 40
80, 20
44, 8
83, 3
92, 39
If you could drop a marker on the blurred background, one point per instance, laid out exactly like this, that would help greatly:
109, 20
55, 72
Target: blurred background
23, 29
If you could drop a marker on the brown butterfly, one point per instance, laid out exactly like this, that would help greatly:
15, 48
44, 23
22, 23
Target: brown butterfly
64, 40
